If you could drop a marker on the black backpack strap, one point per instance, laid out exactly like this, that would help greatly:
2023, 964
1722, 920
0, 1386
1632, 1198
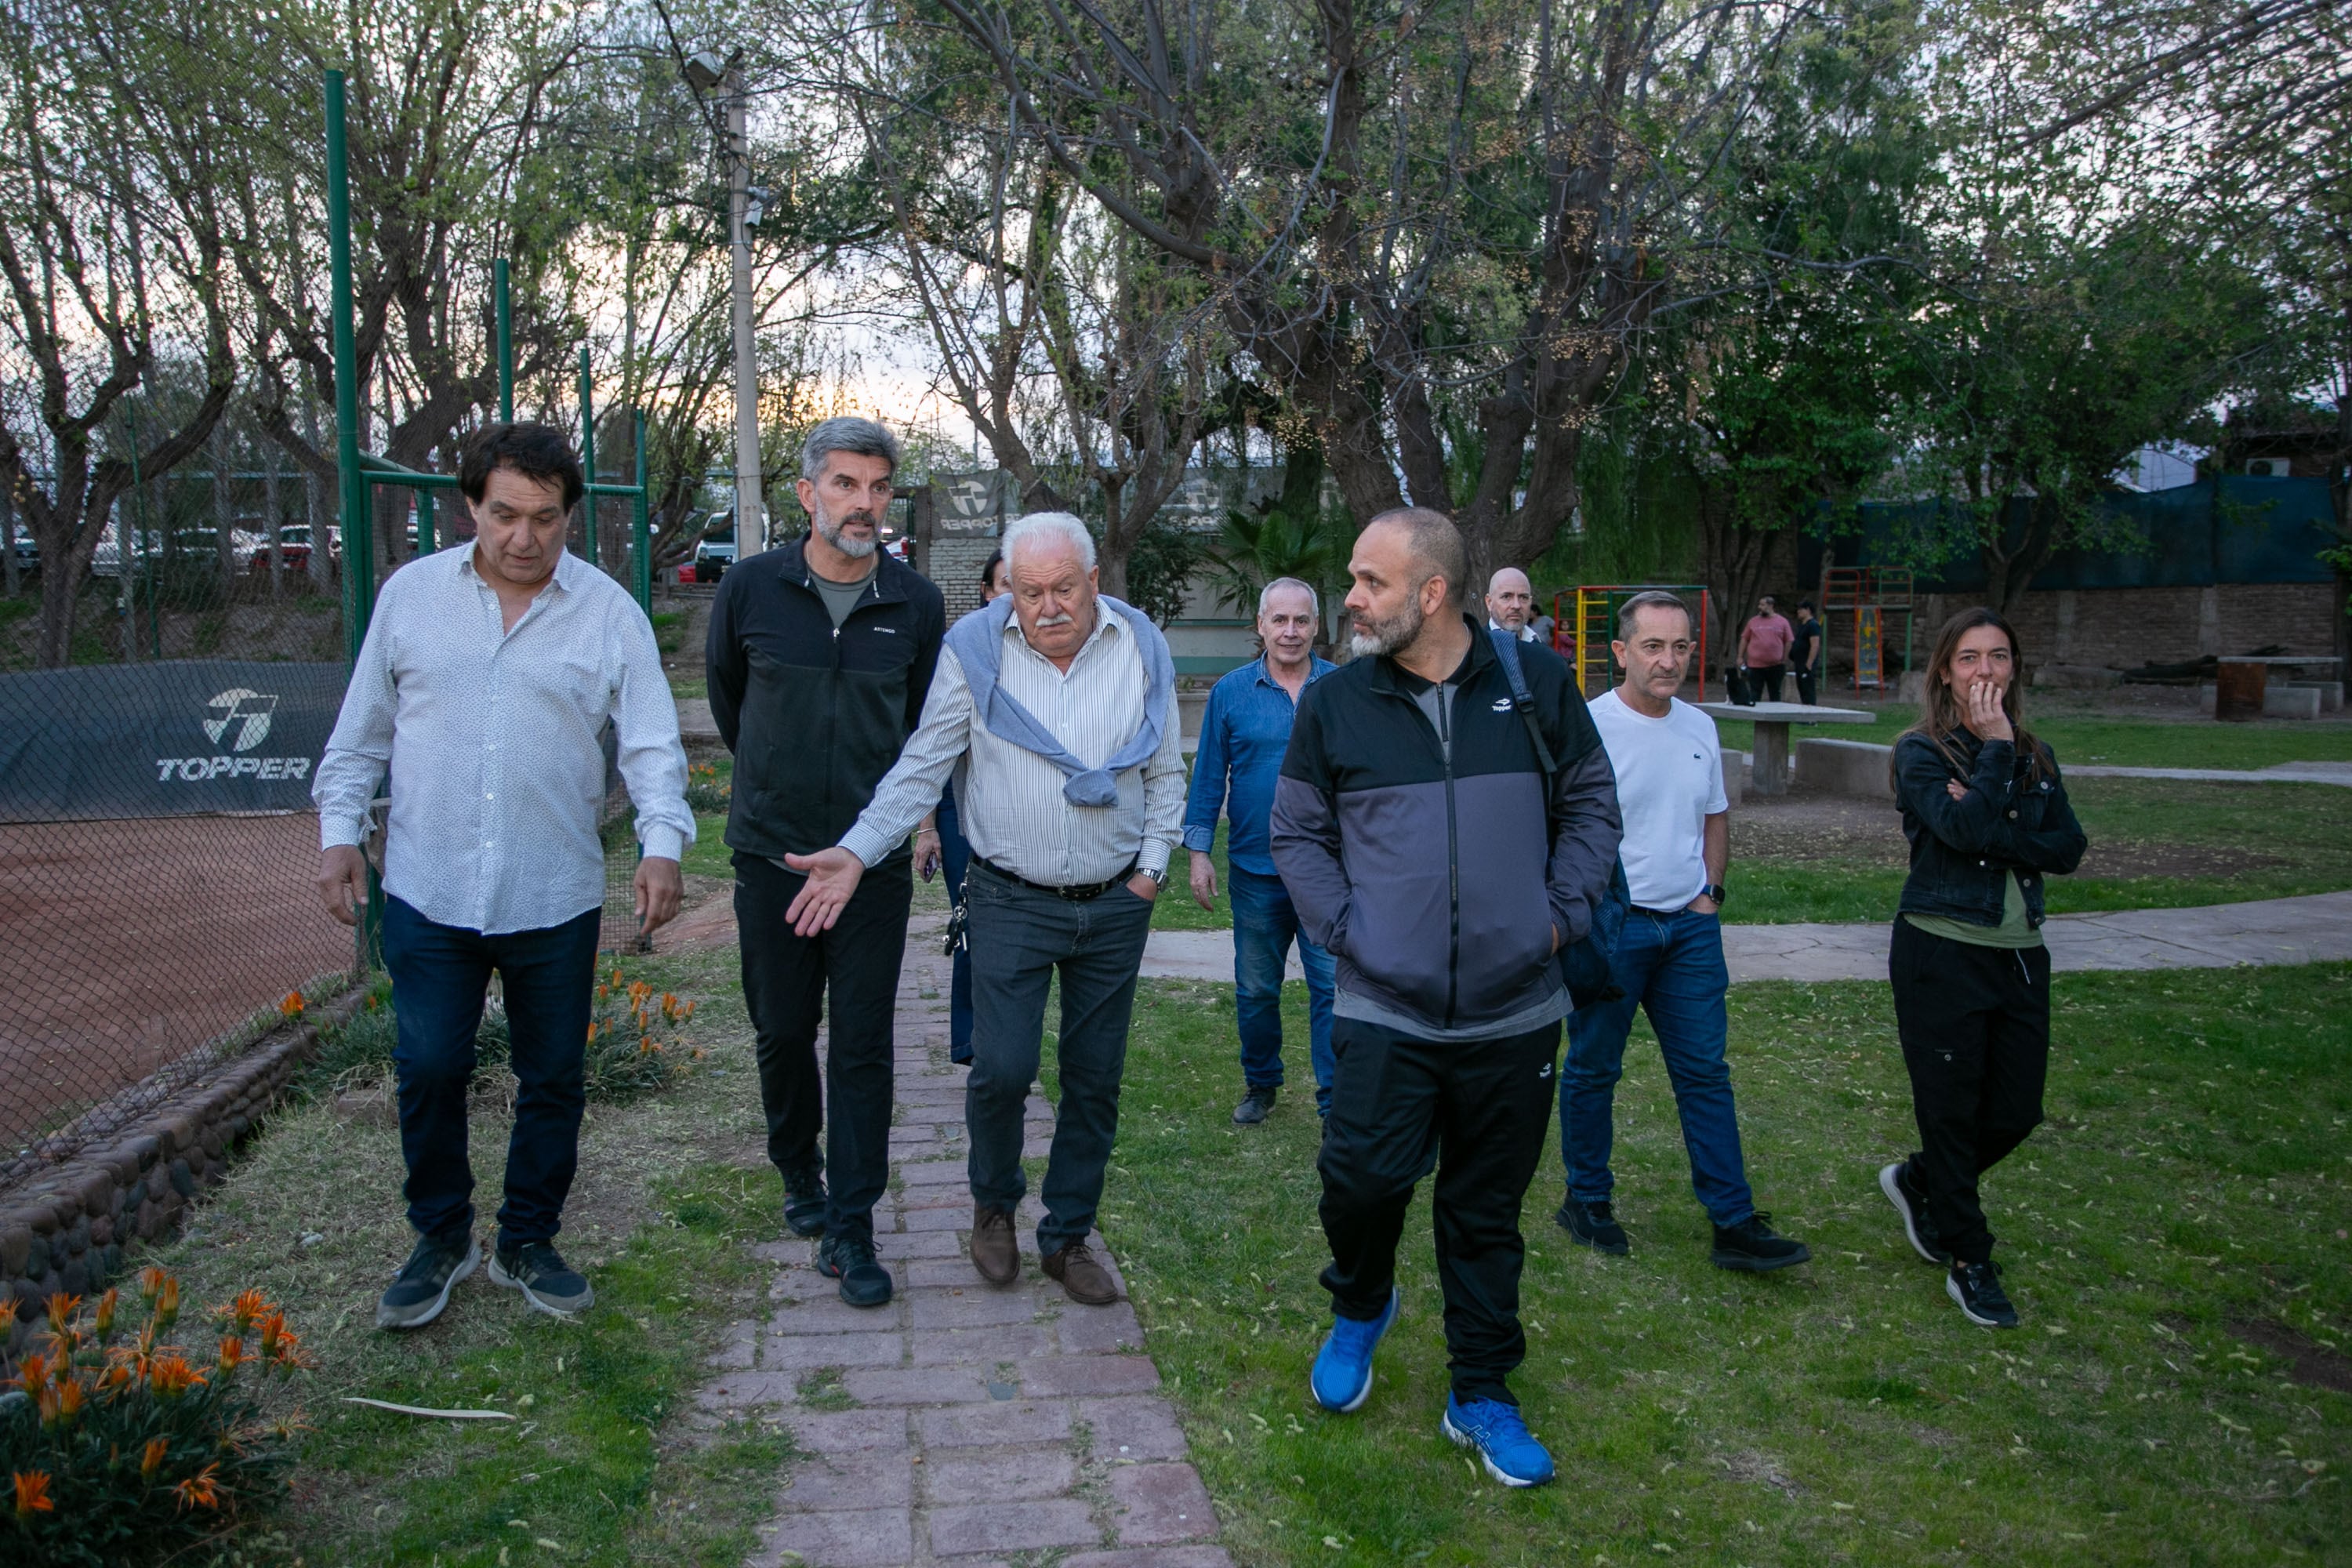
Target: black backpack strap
1506, 651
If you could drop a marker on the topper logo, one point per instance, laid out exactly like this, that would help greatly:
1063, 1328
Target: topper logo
239, 719
248, 710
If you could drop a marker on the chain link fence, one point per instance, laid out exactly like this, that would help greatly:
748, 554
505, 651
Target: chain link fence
157, 843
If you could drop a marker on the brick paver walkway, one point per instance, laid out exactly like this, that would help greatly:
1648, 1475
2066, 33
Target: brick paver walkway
961, 1424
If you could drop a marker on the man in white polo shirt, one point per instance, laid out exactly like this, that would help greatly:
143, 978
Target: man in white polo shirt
1669, 960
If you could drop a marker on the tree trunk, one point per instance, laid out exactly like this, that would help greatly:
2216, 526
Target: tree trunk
58, 580
8, 537
274, 521
320, 567
224, 514
1111, 558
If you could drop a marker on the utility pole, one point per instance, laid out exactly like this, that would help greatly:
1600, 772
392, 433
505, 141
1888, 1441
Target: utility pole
705, 70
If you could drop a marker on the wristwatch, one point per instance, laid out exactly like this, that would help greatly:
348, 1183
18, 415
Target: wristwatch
1159, 878
1714, 890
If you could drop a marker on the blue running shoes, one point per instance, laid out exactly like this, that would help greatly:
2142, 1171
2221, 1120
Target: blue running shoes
1342, 1379
1512, 1455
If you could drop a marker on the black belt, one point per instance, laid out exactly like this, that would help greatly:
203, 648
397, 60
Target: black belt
1077, 894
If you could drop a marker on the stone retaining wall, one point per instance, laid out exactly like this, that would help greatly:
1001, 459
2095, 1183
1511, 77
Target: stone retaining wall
74, 1228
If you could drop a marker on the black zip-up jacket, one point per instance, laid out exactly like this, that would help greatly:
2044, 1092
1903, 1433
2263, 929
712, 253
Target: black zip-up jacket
1436, 885
1962, 851
815, 717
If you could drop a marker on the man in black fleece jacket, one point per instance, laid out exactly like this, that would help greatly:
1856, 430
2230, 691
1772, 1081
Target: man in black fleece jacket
1412, 828
820, 654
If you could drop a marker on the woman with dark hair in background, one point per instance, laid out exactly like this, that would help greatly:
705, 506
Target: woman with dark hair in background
1988, 819
955, 853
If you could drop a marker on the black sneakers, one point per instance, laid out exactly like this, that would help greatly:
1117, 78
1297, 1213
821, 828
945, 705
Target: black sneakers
547, 1284
804, 1200
1910, 1200
850, 1260
1592, 1224
1976, 1286
1256, 1106
422, 1287
1752, 1247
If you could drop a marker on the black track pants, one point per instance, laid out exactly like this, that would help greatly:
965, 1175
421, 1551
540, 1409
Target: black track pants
1476, 1112
1975, 1026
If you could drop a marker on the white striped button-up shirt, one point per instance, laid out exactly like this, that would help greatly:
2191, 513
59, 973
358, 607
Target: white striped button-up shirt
495, 743
1009, 800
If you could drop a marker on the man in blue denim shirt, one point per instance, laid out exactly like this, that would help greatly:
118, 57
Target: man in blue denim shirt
1244, 736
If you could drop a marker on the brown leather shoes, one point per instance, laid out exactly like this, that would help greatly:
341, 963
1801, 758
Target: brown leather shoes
994, 1252
1082, 1275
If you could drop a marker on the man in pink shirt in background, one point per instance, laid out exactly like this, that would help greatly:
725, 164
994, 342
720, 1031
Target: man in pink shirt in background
1764, 649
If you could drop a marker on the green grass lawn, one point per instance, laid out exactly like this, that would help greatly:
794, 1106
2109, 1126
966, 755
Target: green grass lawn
2079, 740
2155, 844
2174, 1238
1174, 909
599, 1465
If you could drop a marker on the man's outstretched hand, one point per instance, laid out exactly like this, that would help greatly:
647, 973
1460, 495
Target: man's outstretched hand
660, 889
832, 876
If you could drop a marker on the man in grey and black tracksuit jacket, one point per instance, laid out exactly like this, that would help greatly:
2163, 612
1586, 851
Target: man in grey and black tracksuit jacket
1411, 828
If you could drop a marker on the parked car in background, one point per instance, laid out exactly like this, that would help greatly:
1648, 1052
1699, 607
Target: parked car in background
294, 544
712, 559
28, 550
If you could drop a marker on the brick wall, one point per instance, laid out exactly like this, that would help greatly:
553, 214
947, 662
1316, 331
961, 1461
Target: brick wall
955, 567
2123, 628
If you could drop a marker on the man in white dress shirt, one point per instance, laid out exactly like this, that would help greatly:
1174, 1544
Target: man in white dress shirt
488, 678
1055, 708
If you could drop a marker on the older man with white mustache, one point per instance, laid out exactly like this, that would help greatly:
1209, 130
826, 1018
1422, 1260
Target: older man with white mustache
1055, 708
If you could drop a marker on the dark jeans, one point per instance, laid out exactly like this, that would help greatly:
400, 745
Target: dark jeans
1806, 683
1265, 925
1021, 939
1672, 967
1975, 1026
439, 977
1764, 682
1476, 1114
850, 974
955, 857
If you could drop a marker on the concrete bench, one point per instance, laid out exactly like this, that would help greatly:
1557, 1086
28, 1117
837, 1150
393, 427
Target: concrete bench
1845, 767
2285, 698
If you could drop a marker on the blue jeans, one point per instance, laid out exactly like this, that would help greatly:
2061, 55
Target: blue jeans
955, 857
1265, 925
439, 976
1671, 966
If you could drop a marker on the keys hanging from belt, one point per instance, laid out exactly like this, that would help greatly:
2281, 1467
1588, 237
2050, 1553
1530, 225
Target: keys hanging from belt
957, 933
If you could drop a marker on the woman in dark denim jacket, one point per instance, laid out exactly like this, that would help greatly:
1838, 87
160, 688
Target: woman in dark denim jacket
1988, 819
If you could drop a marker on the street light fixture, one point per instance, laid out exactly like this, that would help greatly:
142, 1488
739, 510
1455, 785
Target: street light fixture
706, 71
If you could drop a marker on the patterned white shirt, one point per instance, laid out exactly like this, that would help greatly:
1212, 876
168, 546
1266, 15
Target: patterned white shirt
1009, 800
495, 743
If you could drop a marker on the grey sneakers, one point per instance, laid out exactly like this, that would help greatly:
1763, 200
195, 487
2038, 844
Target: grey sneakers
546, 1283
422, 1287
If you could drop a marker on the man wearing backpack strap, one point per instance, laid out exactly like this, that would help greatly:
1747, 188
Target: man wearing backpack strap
1444, 862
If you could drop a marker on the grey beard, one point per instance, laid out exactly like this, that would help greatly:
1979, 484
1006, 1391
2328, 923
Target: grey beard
855, 549
1387, 636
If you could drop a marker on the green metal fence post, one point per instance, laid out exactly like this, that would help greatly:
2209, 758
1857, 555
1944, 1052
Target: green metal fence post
424, 541
359, 547
641, 538
506, 340
123, 557
588, 457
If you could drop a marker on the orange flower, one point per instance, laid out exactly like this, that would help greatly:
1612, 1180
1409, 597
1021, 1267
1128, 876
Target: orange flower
32, 1374
200, 1491
171, 1376
151, 1282
106, 1305
232, 1354
62, 1308
70, 1398
249, 1307
292, 1007
152, 1459
32, 1493
167, 1305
